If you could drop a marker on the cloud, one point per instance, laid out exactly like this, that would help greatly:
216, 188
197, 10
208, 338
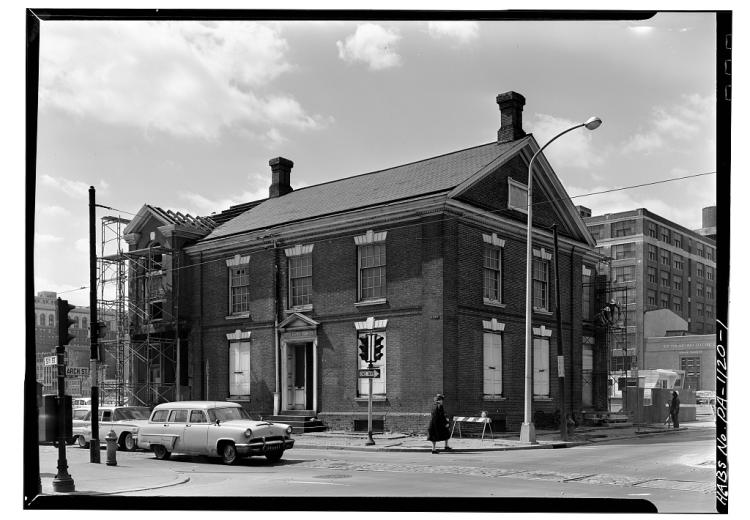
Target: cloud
82, 245
205, 206
54, 211
574, 150
692, 118
187, 79
41, 239
71, 188
460, 32
371, 44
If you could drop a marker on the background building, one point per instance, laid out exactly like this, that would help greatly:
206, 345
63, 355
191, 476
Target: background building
77, 352
654, 263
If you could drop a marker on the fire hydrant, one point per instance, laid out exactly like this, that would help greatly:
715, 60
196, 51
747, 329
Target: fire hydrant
111, 439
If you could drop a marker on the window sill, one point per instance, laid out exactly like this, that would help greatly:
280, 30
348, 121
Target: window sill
542, 398
493, 303
365, 303
299, 308
543, 312
375, 398
238, 316
494, 398
238, 398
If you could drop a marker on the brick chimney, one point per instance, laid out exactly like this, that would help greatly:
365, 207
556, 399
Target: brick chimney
511, 107
280, 170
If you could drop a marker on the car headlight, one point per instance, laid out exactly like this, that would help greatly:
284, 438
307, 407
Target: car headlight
288, 430
248, 433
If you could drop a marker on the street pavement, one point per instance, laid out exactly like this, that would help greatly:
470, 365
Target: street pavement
140, 471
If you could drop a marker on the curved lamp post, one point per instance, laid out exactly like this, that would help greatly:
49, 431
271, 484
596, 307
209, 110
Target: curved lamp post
528, 434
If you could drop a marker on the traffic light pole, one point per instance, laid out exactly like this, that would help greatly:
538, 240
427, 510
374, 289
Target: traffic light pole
371, 347
94, 455
63, 482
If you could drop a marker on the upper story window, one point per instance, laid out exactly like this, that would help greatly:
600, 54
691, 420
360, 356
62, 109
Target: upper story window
517, 196
623, 228
677, 240
699, 289
541, 279
652, 232
709, 273
651, 273
677, 304
677, 283
239, 284
371, 261
586, 292
596, 231
652, 253
665, 236
493, 268
621, 251
699, 249
651, 297
664, 257
299, 262
710, 292
710, 253
677, 260
84, 323
700, 269
51, 320
625, 273
664, 279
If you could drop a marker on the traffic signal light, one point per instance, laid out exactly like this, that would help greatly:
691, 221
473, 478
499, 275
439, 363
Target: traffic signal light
64, 322
378, 347
363, 349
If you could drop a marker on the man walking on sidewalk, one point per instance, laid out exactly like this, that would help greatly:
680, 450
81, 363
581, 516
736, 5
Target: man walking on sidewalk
674, 409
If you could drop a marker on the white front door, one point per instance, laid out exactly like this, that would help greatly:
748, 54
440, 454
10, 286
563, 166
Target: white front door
296, 376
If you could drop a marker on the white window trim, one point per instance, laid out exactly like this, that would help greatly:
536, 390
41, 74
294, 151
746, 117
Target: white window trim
544, 255
236, 261
512, 183
290, 252
236, 337
493, 326
495, 241
369, 238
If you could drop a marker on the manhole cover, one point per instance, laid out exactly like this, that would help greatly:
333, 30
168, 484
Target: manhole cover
332, 476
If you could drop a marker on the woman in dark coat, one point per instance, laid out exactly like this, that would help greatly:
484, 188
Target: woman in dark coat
438, 430
674, 409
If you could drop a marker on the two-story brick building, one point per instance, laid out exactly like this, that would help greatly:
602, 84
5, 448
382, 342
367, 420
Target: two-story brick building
274, 294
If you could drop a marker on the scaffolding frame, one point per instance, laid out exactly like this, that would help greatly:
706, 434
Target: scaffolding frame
135, 382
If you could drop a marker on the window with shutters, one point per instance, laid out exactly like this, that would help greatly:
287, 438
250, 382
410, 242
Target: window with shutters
493, 363
239, 368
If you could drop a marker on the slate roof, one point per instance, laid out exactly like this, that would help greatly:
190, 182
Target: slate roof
428, 176
175, 217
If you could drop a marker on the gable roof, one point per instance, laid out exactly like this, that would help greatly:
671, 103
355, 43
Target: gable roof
429, 176
166, 217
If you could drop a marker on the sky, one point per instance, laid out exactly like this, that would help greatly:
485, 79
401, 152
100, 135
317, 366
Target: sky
186, 115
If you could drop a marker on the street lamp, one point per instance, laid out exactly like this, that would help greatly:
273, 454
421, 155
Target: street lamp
528, 434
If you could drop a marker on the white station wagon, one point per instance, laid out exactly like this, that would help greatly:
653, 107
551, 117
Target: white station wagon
213, 428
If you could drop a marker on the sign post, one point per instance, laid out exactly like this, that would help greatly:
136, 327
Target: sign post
370, 350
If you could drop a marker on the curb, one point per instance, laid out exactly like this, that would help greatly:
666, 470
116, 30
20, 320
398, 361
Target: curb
549, 446
180, 479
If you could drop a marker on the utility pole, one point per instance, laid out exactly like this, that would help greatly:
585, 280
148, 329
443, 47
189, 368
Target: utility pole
94, 455
560, 354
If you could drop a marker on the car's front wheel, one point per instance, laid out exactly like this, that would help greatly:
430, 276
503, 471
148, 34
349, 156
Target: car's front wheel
82, 442
274, 456
160, 452
127, 443
228, 453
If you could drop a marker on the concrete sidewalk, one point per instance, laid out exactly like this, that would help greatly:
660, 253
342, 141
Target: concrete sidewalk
138, 471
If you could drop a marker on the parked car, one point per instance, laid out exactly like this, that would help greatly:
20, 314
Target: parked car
705, 397
124, 420
212, 428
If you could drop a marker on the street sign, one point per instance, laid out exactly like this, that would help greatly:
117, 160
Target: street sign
50, 361
368, 373
77, 372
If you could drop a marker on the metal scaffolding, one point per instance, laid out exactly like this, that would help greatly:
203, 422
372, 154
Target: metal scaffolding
132, 365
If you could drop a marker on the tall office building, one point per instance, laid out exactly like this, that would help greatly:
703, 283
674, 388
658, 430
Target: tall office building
655, 263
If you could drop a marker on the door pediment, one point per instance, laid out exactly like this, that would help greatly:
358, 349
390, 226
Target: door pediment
297, 321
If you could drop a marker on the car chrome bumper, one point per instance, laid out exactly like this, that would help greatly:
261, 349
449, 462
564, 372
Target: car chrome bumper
263, 446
